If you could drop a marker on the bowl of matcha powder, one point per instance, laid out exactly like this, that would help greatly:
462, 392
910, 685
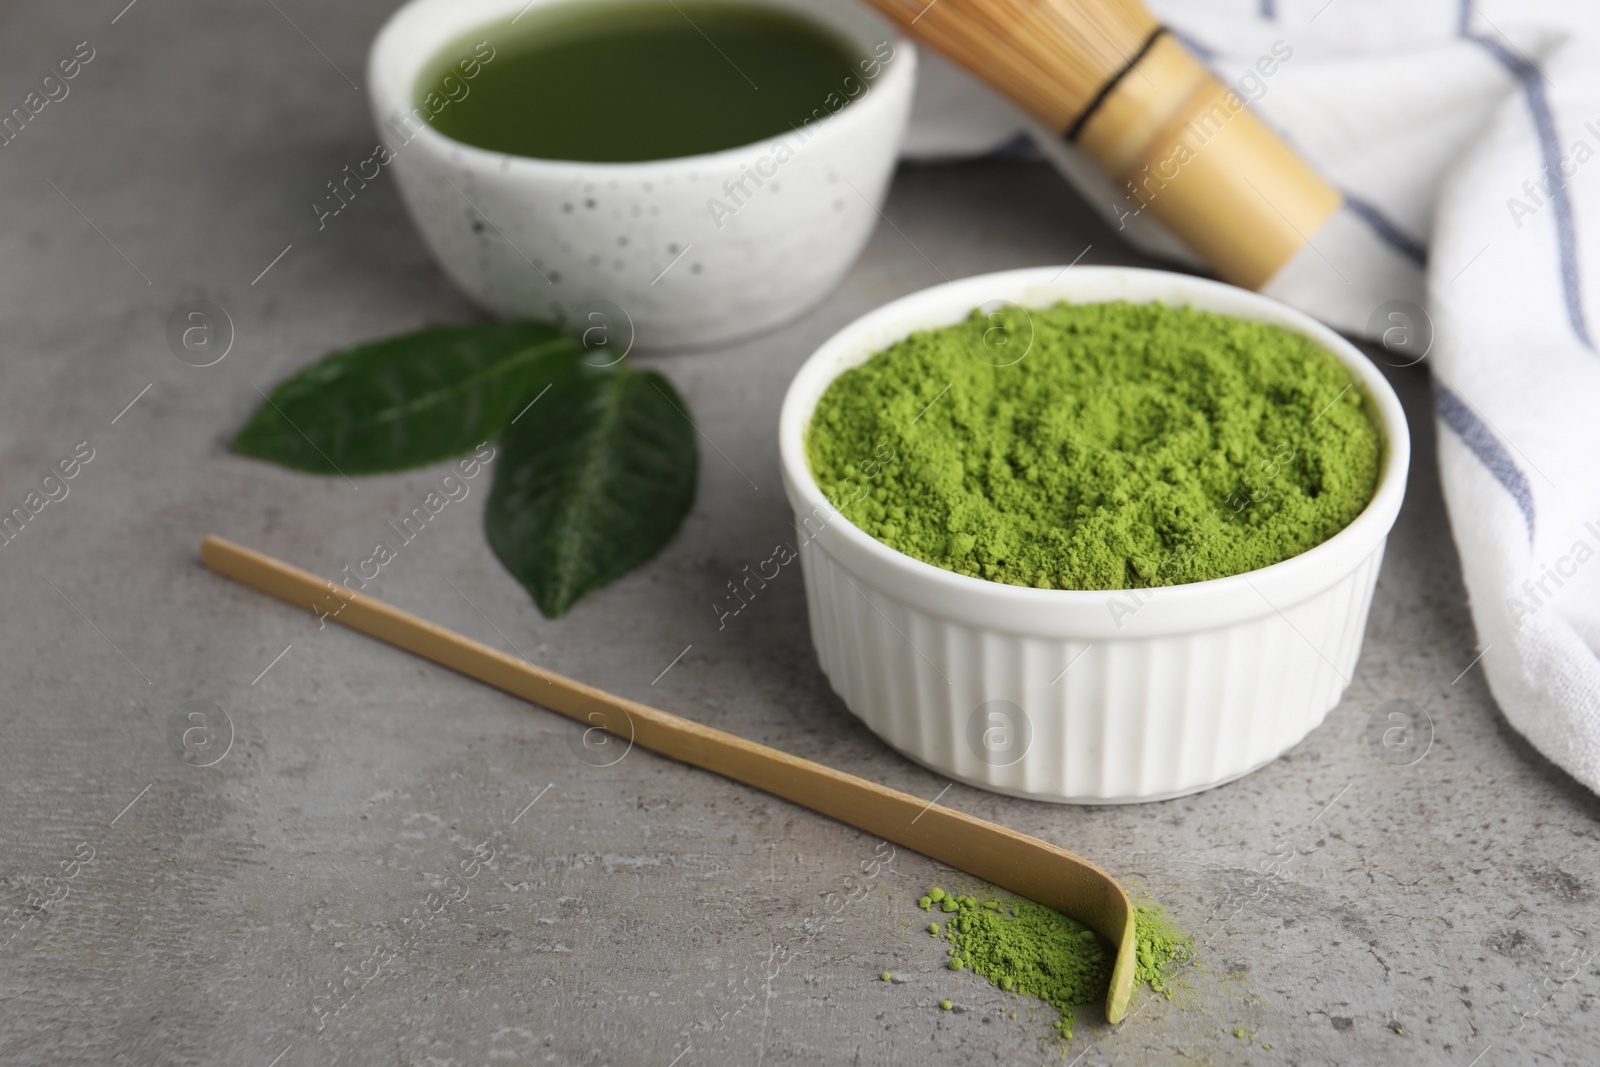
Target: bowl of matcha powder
1094, 535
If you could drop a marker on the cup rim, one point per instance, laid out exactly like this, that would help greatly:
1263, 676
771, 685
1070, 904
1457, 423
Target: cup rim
1082, 612
387, 65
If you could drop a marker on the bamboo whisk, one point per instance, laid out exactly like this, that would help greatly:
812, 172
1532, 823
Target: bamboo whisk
1109, 77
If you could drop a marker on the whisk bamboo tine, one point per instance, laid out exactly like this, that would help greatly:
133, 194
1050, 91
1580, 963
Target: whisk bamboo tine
1013, 861
1108, 77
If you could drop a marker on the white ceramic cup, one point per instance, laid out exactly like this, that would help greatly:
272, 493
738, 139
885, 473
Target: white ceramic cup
1084, 697
686, 251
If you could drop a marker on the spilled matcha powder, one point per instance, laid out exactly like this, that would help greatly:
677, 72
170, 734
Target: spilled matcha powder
1098, 446
1026, 948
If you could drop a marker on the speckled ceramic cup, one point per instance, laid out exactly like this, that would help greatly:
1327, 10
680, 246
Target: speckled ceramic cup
686, 251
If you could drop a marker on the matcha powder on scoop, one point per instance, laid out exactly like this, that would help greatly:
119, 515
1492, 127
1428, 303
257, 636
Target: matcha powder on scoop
1025, 948
1099, 446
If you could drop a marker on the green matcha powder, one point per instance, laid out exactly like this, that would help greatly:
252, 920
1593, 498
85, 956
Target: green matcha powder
1025, 948
1098, 446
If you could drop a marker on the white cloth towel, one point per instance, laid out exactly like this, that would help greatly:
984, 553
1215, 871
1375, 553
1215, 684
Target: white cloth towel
1465, 135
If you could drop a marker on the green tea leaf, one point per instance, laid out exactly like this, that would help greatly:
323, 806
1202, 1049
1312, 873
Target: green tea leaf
593, 481
407, 401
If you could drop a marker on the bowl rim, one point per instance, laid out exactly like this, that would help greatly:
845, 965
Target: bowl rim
391, 71
1175, 608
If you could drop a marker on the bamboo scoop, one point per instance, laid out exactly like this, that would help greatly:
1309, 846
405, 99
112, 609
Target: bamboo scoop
1022, 864
1106, 76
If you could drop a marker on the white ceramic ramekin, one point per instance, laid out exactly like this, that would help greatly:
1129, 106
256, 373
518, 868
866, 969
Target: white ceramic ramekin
694, 250
1084, 697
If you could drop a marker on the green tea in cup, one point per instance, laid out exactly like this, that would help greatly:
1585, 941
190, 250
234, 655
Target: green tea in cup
623, 82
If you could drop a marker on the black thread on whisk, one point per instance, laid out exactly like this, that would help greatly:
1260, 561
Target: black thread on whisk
1105, 90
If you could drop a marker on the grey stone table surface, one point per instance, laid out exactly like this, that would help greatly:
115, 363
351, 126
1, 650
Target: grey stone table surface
1348, 909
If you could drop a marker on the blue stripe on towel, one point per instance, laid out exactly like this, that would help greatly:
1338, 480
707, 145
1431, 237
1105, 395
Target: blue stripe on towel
1486, 446
1391, 234
1550, 149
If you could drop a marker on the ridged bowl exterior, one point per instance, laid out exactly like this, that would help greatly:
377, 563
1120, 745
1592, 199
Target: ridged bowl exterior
1120, 697
1129, 720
